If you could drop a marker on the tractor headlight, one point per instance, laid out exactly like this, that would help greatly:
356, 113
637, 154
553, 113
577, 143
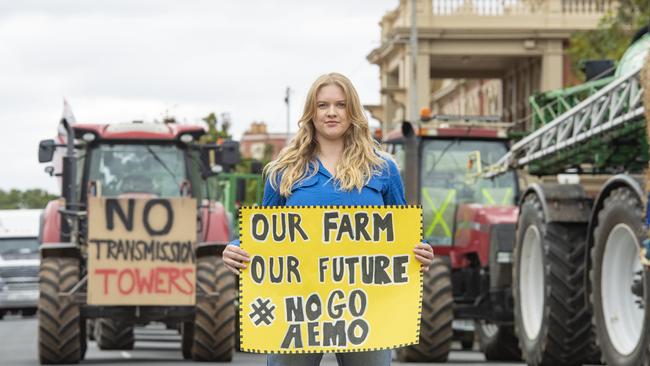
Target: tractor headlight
89, 137
187, 138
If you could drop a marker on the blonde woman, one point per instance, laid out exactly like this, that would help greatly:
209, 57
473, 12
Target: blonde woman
333, 160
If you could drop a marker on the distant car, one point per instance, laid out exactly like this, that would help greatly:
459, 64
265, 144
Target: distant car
19, 261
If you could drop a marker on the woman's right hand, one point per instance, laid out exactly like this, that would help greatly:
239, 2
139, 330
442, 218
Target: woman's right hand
235, 258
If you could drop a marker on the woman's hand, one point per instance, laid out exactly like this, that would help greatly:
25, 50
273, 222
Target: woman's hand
235, 258
424, 253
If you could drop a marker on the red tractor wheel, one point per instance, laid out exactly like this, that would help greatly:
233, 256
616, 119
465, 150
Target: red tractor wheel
59, 319
213, 331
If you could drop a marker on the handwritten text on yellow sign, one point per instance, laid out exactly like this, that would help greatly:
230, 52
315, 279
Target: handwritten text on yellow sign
330, 278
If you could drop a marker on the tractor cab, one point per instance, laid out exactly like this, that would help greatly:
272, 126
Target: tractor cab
434, 159
140, 159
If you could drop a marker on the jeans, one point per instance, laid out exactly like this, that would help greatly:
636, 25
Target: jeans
370, 358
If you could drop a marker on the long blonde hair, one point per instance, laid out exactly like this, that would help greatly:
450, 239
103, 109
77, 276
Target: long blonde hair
362, 156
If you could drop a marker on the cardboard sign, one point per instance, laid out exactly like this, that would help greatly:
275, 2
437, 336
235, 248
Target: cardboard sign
141, 251
330, 279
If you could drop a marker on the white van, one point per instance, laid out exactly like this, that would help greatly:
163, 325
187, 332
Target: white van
19, 261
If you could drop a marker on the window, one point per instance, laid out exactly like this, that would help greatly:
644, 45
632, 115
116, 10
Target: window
124, 168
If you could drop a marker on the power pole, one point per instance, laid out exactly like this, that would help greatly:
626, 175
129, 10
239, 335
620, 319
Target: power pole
411, 143
414, 115
287, 101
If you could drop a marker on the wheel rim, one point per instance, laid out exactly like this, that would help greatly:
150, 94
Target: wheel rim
489, 330
623, 316
531, 282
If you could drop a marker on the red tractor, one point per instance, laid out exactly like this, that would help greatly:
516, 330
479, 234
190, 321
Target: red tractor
140, 161
470, 222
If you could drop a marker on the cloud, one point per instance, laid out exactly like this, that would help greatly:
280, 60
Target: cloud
120, 61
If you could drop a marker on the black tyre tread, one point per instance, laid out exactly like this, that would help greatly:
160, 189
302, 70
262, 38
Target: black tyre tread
566, 336
503, 346
59, 321
214, 323
620, 200
111, 334
436, 332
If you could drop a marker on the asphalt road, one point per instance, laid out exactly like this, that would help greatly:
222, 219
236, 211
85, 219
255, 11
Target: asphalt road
155, 346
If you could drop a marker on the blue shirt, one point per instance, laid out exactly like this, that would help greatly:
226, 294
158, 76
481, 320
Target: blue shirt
322, 190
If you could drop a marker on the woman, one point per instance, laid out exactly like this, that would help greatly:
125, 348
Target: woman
333, 160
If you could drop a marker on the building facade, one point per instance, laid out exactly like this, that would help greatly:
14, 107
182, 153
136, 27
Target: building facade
468, 97
259, 144
517, 43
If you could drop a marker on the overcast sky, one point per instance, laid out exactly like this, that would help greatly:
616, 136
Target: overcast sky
123, 60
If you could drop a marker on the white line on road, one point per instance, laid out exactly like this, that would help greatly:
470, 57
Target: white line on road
125, 354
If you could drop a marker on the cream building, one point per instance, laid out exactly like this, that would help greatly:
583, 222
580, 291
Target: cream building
258, 143
497, 51
476, 97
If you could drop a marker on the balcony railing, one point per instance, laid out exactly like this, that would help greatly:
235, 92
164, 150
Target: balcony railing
586, 6
518, 7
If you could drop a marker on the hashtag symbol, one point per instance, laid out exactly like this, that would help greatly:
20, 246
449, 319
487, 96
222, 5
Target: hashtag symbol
263, 311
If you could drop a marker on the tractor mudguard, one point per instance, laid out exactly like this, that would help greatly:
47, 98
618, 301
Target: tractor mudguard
210, 248
214, 225
60, 250
50, 229
561, 202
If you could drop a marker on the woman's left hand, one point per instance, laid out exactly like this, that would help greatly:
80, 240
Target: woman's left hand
424, 253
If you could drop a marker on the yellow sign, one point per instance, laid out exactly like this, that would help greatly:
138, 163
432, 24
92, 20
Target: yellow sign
141, 251
330, 279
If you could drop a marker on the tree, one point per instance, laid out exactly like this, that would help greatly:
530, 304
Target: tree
612, 36
214, 134
31, 198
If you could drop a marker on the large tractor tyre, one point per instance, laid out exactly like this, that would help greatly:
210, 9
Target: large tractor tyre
620, 286
113, 334
498, 342
237, 327
59, 320
552, 315
214, 323
436, 332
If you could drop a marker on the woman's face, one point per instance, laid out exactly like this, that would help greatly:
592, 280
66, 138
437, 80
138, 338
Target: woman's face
331, 120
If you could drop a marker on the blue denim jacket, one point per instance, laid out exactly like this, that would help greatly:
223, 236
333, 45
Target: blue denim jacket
322, 190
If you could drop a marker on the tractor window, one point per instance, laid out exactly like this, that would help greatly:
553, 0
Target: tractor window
123, 168
445, 182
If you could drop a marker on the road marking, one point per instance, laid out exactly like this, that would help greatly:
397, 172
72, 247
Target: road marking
125, 354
